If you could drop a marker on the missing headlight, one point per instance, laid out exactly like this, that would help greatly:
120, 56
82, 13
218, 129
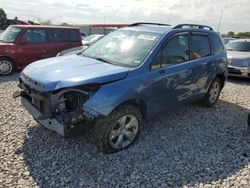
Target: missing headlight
74, 101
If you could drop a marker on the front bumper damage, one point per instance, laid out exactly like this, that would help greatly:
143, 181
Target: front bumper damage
53, 111
49, 123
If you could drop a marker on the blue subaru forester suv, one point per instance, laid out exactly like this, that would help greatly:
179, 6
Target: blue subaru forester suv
132, 74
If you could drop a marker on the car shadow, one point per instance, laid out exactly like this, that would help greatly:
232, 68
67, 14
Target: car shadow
239, 80
187, 147
13, 77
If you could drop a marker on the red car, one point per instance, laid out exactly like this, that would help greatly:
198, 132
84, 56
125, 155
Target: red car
23, 44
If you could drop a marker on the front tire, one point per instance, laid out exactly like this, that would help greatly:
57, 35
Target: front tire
213, 93
119, 130
6, 66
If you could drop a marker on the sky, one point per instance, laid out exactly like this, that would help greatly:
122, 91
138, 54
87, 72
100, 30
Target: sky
235, 13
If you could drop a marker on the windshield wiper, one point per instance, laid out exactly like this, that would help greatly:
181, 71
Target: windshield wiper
98, 58
101, 59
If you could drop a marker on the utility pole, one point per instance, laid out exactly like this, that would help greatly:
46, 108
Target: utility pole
220, 21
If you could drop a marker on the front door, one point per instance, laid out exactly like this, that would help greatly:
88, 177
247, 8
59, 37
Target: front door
32, 46
173, 76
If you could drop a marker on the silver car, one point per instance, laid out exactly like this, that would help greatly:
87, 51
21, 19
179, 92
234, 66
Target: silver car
227, 39
238, 53
91, 39
72, 51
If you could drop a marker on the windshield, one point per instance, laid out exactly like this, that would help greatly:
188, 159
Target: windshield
123, 47
10, 34
238, 46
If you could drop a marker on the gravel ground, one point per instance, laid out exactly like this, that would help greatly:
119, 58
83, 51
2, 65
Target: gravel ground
192, 147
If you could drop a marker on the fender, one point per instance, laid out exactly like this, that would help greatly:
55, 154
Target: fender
111, 95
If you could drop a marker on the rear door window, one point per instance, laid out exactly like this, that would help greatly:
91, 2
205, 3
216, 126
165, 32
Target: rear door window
200, 46
35, 35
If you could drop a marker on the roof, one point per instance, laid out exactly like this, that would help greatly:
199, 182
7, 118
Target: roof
165, 28
150, 28
44, 26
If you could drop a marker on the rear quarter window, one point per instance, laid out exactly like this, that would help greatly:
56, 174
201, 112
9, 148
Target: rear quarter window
217, 44
73, 35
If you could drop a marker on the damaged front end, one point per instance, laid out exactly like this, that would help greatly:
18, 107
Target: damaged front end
60, 110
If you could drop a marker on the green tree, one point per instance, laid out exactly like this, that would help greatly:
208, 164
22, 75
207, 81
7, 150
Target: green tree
230, 33
65, 24
46, 22
3, 15
244, 34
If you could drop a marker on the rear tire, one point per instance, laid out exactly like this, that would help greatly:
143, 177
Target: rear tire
212, 94
7, 66
119, 130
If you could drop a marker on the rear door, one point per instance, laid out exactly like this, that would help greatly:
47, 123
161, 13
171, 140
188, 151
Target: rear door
174, 75
203, 59
32, 46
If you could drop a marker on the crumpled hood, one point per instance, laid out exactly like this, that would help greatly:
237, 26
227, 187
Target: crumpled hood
237, 58
67, 71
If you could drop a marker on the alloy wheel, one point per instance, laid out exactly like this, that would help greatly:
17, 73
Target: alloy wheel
124, 132
214, 92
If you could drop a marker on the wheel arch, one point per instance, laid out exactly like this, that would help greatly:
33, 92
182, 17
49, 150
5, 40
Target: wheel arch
222, 79
138, 103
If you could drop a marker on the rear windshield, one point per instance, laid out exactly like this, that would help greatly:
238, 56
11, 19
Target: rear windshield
238, 46
10, 34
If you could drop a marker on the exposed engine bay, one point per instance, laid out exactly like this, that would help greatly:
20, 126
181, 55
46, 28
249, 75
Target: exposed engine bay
66, 106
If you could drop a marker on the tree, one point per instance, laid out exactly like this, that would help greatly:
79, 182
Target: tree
47, 22
244, 34
230, 33
44, 22
3, 15
65, 24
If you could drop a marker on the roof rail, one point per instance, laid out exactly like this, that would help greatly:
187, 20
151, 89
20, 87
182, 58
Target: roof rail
193, 26
147, 23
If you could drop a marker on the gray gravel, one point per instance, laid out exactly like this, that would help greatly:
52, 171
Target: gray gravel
192, 147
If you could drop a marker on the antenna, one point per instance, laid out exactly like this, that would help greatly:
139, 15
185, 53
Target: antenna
220, 21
